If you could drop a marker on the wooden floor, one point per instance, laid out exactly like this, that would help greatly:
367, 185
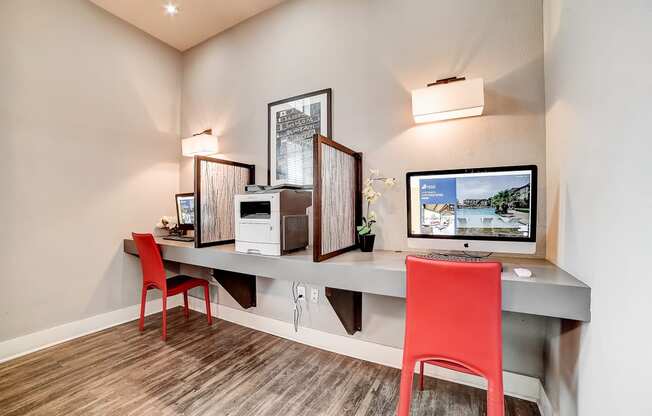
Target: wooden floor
225, 369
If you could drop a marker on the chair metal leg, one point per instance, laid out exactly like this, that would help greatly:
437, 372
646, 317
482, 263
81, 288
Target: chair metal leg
207, 297
143, 299
186, 311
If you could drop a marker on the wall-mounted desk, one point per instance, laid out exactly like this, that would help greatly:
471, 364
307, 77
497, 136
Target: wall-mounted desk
550, 292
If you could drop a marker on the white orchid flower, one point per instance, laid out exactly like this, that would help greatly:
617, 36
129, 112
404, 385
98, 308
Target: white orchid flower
372, 196
390, 182
368, 192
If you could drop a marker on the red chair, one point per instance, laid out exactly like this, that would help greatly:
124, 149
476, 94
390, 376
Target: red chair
453, 320
154, 278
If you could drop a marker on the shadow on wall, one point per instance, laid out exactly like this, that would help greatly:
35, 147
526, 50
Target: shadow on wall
497, 104
561, 357
560, 222
562, 351
121, 282
458, 143
101, 138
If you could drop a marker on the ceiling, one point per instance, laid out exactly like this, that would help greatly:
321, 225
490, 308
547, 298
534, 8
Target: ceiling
196, 21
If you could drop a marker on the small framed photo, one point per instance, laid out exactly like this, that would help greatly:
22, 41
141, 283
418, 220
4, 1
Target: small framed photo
292, 125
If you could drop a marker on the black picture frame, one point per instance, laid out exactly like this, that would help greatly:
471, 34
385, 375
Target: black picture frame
328, 92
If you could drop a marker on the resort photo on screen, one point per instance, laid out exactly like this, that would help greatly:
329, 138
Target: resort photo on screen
486, 204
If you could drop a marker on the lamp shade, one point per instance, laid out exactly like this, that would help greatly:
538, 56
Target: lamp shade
203, 144
450, 100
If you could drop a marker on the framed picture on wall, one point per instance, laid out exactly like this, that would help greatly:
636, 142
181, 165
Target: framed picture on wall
291, 127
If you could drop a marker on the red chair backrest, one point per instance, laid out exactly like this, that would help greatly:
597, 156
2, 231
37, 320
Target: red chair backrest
150, 260
453, 313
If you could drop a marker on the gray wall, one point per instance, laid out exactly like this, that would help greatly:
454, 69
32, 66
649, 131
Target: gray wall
89, 109
598, 143
373, 53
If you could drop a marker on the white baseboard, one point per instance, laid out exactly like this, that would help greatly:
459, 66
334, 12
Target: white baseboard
516, 385
35, 341
545, 407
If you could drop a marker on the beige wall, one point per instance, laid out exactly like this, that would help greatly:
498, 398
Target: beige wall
598, 91
372, 53
89, 110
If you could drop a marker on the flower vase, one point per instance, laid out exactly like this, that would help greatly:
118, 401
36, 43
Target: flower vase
367, 242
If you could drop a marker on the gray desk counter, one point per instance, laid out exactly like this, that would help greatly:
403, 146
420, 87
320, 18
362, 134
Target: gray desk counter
550, 292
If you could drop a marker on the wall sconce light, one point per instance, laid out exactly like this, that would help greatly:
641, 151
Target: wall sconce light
448, 98
200, 144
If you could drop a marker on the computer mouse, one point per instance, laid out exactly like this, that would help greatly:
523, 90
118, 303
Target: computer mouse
521, 272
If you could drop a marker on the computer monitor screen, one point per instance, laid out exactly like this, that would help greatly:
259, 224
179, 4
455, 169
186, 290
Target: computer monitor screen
186, 211
486, 209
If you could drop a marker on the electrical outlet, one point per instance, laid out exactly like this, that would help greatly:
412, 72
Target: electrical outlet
314, 295
301, 292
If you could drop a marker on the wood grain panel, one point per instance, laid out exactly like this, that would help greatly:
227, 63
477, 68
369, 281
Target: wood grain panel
337, 200
223, 369
216, 187
217, 182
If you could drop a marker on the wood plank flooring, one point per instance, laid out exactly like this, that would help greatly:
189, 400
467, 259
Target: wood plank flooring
225, 369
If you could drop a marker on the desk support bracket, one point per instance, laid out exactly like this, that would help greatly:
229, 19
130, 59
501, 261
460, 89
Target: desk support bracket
242, 287
348, 307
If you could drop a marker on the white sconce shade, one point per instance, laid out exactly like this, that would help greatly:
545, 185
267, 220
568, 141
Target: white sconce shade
202, 144
447, 100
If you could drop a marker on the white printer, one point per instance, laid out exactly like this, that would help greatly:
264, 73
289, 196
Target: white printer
272, 222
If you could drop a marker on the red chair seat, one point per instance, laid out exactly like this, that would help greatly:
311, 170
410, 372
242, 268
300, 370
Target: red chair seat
183, 283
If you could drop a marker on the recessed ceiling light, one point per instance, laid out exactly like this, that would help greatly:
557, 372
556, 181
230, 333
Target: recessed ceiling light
171, 9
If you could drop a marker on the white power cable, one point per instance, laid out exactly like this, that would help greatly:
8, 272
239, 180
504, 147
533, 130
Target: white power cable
297, 307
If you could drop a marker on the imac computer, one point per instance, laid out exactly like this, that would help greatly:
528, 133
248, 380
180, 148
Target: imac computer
185, 217
186, 211
484, 209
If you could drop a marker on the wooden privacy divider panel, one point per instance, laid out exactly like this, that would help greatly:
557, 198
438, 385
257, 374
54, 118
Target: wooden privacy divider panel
337, 179
216, 190
217, 182
337, 200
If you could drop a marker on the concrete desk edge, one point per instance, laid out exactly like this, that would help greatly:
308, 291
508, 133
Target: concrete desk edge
552, 292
